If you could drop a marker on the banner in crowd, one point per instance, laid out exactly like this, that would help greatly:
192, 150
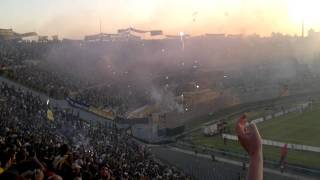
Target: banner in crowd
100, 112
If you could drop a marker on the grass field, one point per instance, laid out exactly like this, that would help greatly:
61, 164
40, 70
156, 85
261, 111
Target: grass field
231, 117
299, 128
309, 159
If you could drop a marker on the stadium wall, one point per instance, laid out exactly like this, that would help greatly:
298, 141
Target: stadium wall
298, 108
279, 144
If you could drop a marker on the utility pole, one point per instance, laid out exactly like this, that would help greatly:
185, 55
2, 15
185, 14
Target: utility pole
302, 28
100, 24
100, 35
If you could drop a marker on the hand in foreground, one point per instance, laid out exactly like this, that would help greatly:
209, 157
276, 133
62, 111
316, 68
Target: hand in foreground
249, 136
38, 175
250, 140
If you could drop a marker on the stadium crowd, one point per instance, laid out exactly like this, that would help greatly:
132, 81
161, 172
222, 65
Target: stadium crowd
41, 80
112, 97
28, 63
14, 53
101, 99
34, 147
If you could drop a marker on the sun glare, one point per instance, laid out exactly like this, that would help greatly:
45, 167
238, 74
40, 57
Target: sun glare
306, 11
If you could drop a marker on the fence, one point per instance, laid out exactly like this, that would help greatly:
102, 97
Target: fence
298, 108
279, 144
244, 158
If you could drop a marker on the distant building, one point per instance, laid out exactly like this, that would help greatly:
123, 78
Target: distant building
121, 36
235, 36
215, 35
313, 34
98, 37
43, 38
55, 38
9, 34
6, 32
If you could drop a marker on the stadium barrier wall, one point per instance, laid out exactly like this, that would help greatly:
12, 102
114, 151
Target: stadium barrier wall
99, 112
102, 113
299, 108
244, 158
77, 104
278, 144
132, 121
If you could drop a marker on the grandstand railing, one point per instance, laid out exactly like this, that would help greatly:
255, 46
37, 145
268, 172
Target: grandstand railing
241, 157
279, 144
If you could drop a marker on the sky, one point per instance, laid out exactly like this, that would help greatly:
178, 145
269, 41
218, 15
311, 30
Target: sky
76, 18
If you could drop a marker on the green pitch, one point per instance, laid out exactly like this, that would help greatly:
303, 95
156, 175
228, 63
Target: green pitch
298, 128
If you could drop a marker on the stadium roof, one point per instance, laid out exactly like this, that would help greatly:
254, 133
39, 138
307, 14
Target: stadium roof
9, 34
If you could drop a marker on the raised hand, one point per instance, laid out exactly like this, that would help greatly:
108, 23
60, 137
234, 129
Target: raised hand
249, 136
250, 139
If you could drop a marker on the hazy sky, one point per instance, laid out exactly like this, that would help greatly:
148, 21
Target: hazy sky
75, 18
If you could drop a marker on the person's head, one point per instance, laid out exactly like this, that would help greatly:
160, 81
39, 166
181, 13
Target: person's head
64, 149
7, 175
76, 168
55, 177
7, 158
105, 173
20, 156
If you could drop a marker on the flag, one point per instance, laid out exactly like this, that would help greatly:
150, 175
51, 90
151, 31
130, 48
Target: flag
50, 115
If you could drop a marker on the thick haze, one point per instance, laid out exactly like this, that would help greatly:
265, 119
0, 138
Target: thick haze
74, 19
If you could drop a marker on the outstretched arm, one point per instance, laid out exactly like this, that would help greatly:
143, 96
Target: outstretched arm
250, 140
